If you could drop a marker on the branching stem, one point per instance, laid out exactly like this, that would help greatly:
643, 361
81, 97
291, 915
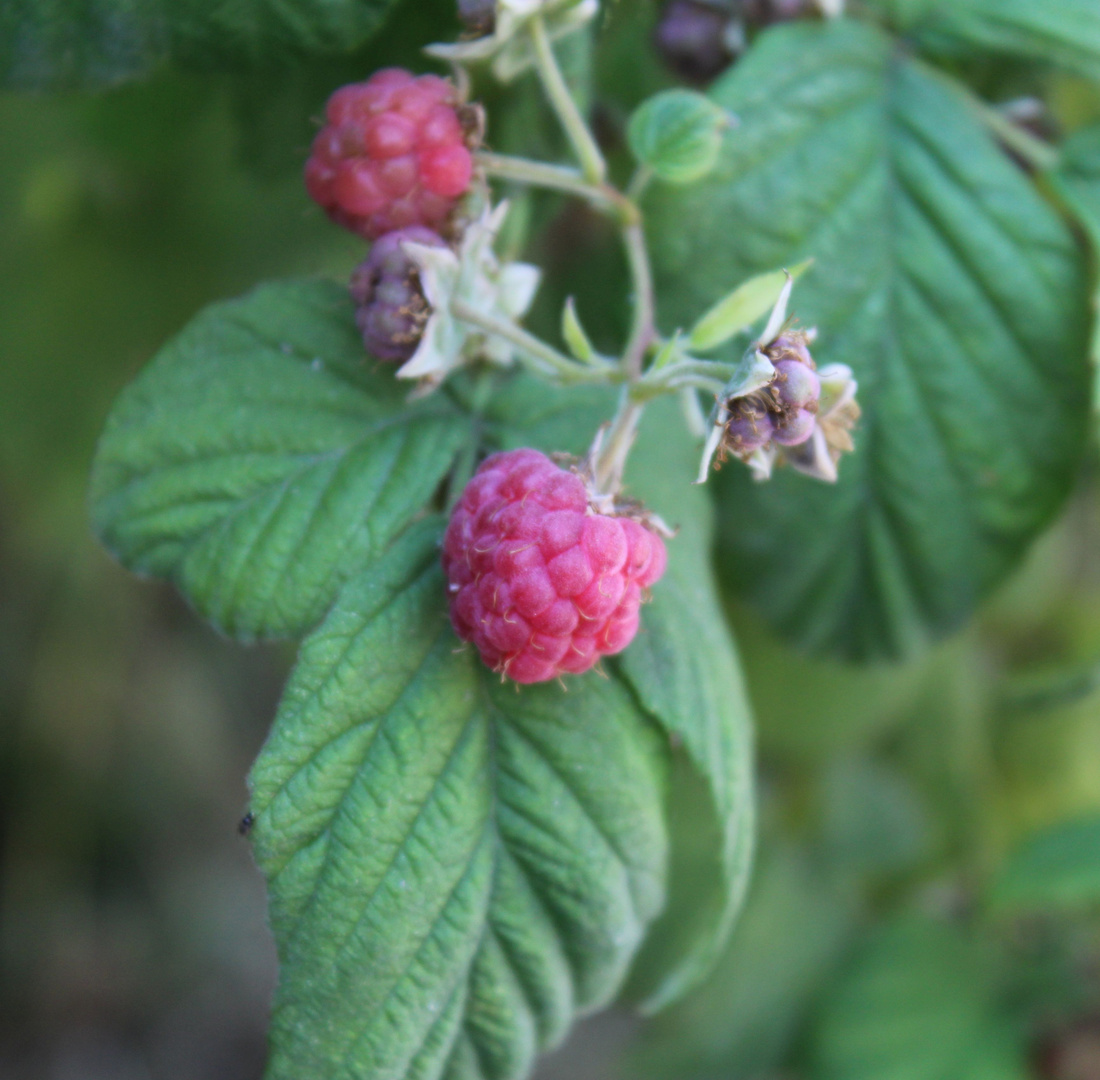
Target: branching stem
544, 358
557, 90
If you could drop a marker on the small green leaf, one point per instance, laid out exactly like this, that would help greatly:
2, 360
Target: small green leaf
954, 292
456, 869
575, 337
751, 300
262, 458
677, 134
918, 1003
57, 44
1059, 869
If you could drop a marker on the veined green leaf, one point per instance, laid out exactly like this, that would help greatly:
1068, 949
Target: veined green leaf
1063, 32
456, 869
262, 458
55, 44
684, 669
952, 290
1057, 869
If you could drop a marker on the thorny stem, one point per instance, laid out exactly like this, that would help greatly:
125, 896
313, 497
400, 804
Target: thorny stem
584, 145
545, 358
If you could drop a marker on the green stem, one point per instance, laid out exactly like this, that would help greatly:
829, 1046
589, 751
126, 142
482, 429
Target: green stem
538, 174
638, 183
680, 382
1037, 153
643, 331
584, 145
611, 461
694, 416
707, 369
546, 359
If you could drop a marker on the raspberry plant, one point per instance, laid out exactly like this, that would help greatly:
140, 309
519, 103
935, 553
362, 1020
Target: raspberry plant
468, 846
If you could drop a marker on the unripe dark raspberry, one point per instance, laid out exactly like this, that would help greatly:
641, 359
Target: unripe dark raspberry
693, 39
749, 428
478, 16
390, 307
393, 153
796, 385
767, 12
795, 429
539, 580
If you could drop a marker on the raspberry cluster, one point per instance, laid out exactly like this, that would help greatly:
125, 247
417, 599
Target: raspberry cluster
785, 411
393, 153
539, 581
390, 307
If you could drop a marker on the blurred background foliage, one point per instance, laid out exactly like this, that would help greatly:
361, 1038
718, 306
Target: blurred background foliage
926, 901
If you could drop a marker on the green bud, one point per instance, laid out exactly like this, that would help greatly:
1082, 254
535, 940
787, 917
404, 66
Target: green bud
678, 134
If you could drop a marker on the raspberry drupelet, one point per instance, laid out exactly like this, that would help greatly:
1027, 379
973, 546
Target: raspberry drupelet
393, 153
541, 582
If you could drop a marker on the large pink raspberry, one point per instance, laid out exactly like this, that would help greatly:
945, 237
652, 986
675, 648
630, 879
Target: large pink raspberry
392, 154
539, 581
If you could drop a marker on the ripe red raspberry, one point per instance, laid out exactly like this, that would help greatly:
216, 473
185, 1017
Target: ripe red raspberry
392, 154
539, 581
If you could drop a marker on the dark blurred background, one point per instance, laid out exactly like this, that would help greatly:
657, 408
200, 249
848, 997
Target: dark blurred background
133, 941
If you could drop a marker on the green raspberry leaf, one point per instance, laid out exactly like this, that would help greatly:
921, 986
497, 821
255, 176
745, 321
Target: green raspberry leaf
677, 134
1059, 869
262, 458
456, 869
57, 44
1077, 181
953, 291
1062, 32
684, 669
919, 1002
